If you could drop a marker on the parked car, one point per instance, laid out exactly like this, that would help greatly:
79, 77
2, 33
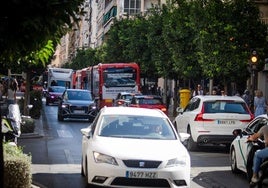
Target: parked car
241, 151
53, 94
124, 98
211, 119
148, 101
77, 103
126, 147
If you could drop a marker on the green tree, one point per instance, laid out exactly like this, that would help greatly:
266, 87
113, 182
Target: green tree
84, 58
26, 26
224, 44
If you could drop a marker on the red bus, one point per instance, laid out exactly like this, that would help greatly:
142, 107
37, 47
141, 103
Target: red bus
107, 80
81, 80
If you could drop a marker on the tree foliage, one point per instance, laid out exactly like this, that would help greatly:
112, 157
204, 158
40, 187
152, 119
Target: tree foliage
84, 58
27, 26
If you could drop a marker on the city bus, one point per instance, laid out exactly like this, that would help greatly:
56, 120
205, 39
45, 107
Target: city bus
81, 78
107, 80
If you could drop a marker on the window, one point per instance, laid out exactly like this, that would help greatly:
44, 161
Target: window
132, 7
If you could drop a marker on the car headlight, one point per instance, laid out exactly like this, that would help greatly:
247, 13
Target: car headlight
64, 105
177, 162
102, 158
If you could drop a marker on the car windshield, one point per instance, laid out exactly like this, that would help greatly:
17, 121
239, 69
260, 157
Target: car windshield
79, 95
225, 107
137, 127
56, 89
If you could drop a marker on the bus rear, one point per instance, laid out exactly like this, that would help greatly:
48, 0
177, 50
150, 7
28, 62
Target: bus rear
110, 79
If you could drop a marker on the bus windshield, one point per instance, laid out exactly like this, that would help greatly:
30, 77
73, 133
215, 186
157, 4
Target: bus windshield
120, 77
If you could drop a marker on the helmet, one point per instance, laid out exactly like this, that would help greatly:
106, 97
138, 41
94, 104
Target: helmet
246, 92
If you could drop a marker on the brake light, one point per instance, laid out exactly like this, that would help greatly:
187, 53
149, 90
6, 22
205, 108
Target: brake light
248, 120
119, 102
163, 109
199, 117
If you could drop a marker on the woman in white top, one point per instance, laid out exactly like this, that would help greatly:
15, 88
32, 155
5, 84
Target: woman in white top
11, 93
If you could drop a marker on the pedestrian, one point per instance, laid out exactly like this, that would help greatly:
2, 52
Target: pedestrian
259, 155
260, 104
223, 93
11, 92
198, 91
246, 97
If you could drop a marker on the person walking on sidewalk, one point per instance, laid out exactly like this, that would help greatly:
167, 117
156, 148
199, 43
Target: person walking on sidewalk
11, 92
259, 103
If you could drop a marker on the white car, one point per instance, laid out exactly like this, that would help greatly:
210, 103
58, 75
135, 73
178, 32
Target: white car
134, 147
210, 119
241, 151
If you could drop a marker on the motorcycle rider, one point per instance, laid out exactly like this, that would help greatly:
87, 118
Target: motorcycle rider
259, 155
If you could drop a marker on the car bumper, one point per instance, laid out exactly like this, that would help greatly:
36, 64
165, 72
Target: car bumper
52, 100
66, 113
215, 139
116, 176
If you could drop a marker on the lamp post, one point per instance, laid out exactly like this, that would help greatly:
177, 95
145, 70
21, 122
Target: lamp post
254, 61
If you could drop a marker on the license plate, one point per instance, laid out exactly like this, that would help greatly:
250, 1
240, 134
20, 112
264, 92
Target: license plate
226, 122
141, 174
79, 111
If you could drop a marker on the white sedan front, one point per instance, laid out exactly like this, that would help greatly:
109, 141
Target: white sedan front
122, 149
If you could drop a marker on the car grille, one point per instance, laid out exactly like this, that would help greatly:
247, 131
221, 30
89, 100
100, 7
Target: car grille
141, 163
121, 181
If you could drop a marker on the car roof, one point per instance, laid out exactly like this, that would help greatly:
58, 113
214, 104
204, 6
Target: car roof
129, 93
218, 97
148, 96
132, 111
262, 116
78, 90
57, 86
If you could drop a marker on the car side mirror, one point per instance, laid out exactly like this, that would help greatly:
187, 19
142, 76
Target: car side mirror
86, 132
179, 110
184, 136
237, 132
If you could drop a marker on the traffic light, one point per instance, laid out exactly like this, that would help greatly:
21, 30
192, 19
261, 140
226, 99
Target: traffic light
254, 57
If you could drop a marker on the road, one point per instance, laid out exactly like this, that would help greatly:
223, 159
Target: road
56, 157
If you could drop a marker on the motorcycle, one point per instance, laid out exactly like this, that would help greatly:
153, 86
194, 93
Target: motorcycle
263, 175
11, 124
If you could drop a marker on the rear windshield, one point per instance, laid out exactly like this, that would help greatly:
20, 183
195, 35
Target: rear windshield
225, 107
151, 101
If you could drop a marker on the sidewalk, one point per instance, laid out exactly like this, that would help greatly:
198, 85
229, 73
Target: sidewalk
38, 133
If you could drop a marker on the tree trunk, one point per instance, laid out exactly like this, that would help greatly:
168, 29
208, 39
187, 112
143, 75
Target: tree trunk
27, 95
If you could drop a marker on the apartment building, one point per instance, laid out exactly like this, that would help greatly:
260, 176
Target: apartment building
94, 25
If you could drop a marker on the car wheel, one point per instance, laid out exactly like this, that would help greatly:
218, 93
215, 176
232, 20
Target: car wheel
60, 118
191, 145
234, 162
82, 168
250, 163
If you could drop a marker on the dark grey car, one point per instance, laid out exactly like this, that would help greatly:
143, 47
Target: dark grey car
77, 103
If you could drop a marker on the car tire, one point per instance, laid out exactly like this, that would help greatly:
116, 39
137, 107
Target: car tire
82, 168
234, 168
60, 118
250, 163
191, 145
